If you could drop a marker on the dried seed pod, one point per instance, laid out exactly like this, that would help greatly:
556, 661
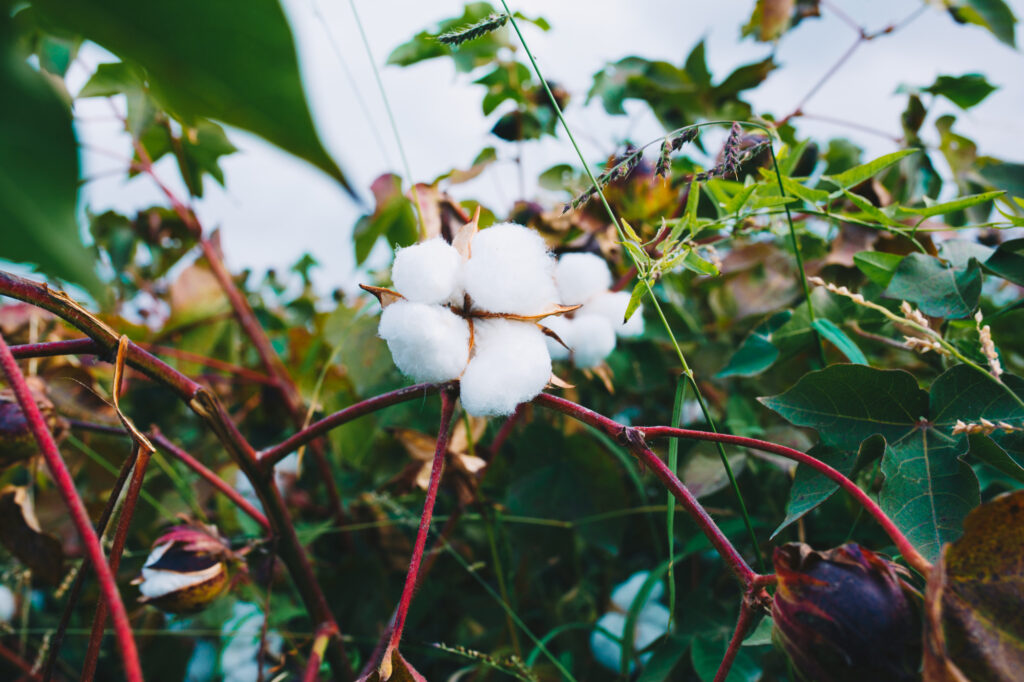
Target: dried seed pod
186, 569
16, 440
844, 614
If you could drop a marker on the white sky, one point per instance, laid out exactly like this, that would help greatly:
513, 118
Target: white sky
276, 207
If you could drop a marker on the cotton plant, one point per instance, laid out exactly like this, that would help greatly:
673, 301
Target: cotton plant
239, 659
652, 622
472, 310
589, 334
8, 604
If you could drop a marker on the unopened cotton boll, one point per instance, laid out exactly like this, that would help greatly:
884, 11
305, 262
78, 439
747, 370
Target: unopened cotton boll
580, 277
427, 342
510, 365
593, 338
612, 306
510, 270
427, 272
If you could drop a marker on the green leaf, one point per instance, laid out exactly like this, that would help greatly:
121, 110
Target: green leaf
757, 352
1008, 261
859, 174
393, 218
635, 298
39, 175
877, 266
707, 653
838, 338
694, 263
985, 450
811, 488
210, 60
800, 191
937, 288
964, 91
871, 210
1005, 176
952, 206
994, 15
928, 490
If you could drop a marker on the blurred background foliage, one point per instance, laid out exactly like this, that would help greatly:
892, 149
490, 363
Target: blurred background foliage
562, 516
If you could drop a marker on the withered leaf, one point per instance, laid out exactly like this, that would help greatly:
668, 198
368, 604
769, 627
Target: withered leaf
974, 625
21, 536
394, 668
463, 239
553, 309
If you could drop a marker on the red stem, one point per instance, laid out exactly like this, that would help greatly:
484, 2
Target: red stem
209, 476
447, 408
316, 654
912, 556
66, 485
742, 625
51, 349
212, 363
271, 456
99, 623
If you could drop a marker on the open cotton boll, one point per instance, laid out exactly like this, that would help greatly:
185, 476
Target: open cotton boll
427, 342
510, 365
510, 270
625, 593
562, 326
7, 604
593, 338
427, 272
612, 306
157, 582
580, 277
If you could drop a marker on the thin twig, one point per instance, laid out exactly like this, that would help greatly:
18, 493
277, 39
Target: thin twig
742, 625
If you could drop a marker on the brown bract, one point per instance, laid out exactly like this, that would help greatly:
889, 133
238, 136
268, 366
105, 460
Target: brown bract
21, 535
974, 625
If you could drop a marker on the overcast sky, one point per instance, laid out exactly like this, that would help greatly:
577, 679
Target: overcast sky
276, 207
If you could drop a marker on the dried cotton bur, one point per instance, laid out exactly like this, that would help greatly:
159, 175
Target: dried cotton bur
471, 311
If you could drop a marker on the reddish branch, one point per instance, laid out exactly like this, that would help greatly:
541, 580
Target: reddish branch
440, 449
742, 626
66, 485
18, 662
271, 456
131, 498
208, 407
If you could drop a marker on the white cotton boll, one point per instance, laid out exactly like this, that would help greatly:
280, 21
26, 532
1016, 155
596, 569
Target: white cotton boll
7, 604
580, 277
427, 272
612, 305
563, 326
510, 366
607, 651
625, 593
593, 338
427, 342
510, 270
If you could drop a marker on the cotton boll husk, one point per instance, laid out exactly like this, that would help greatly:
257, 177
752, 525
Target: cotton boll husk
612, 306
593, 338
427, 342
510, 366
510, 270
427, 272
580, 277
563, 326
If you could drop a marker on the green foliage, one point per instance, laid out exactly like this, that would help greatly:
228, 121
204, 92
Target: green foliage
247, 76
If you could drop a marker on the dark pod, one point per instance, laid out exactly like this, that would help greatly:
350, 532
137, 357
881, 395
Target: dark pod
844, 615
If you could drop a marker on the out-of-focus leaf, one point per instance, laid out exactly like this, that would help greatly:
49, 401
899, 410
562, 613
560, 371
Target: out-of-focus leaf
38, 174
964, 91
994, 15
393, 217
207, 59
1005, 176
974, 625
21, 536
858, 174
877, 266
938, 288
707, 652
771, 18
757, 352
1008, 261
838, 338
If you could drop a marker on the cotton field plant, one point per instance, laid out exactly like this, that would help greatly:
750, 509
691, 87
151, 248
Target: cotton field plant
592, 433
